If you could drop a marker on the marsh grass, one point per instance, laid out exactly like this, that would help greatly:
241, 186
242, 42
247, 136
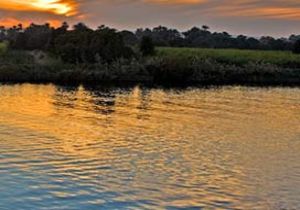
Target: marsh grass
234, 56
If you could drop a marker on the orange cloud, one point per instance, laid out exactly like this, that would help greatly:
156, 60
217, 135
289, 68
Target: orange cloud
176, 1
59, 7
8, 22
269, 12
280, 12
246, 9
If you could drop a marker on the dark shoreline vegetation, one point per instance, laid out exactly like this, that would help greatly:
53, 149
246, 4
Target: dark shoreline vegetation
160, 56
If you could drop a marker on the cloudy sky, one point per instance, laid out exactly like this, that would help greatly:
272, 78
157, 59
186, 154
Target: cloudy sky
251, 17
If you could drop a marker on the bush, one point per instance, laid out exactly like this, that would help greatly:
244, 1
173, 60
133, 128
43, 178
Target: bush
3, 48
147, 47
296, 49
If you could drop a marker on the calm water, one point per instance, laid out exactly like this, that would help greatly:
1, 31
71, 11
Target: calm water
136, 148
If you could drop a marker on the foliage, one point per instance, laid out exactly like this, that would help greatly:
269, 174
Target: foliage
296, 48
16, 57
147, 46
204, 38
83, 46
42, 53
80, 45
21, 66
129, 38
82, 40
3, 48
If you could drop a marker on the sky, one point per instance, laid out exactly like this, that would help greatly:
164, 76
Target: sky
250, 17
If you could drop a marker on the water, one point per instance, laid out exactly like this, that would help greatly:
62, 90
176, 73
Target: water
139, 148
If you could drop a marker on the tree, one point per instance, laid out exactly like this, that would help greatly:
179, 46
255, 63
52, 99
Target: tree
2, 33
81, 43
296, 49
147, 46
196, 37
81, 27
293, 38
36, 37
205, 27
85, 46
129, 38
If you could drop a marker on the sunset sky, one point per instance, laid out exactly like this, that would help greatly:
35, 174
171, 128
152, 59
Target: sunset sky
251, 17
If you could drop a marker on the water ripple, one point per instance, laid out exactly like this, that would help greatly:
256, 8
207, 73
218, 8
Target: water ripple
138, 148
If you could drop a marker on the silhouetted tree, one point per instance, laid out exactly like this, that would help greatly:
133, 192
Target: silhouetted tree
205, 27
293, 38
296, 48
161, 36
83, 44
147, 46
81, 27
2, 33
196, 37
129, 38
32, 38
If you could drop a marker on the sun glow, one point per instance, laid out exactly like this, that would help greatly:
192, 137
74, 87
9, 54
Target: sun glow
60, 7
53, 5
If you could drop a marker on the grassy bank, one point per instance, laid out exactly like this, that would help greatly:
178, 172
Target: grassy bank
234, 56
168, 66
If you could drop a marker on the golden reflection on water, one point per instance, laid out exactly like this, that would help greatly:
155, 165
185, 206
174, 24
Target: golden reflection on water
229, 147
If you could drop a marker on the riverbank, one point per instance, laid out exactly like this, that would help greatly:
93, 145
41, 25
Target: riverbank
170, 66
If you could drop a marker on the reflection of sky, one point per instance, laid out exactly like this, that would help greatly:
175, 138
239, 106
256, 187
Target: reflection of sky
251, 17
84, 148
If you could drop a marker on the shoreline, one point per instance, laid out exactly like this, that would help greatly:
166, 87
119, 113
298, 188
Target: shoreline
262, 84
283, 78
170, 67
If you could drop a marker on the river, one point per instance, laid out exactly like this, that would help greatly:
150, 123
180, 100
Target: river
149, 148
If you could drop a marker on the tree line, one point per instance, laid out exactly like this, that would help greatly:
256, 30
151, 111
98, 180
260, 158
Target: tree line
81, 44
204, 38
78, 45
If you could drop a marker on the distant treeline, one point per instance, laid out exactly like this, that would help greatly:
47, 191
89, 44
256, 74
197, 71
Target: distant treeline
79, 45
204, 38
83, 44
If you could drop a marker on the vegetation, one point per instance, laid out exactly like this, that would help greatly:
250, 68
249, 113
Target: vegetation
86, 46
80, 45
234, 56
41, 53
296, 48
63, 40
3, 48
147, 47
165, 69
204, 38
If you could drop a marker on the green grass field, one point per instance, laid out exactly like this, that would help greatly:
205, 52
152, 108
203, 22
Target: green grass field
233, 56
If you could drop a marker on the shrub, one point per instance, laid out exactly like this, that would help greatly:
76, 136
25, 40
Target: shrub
296, 49
147, 47
3, 48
